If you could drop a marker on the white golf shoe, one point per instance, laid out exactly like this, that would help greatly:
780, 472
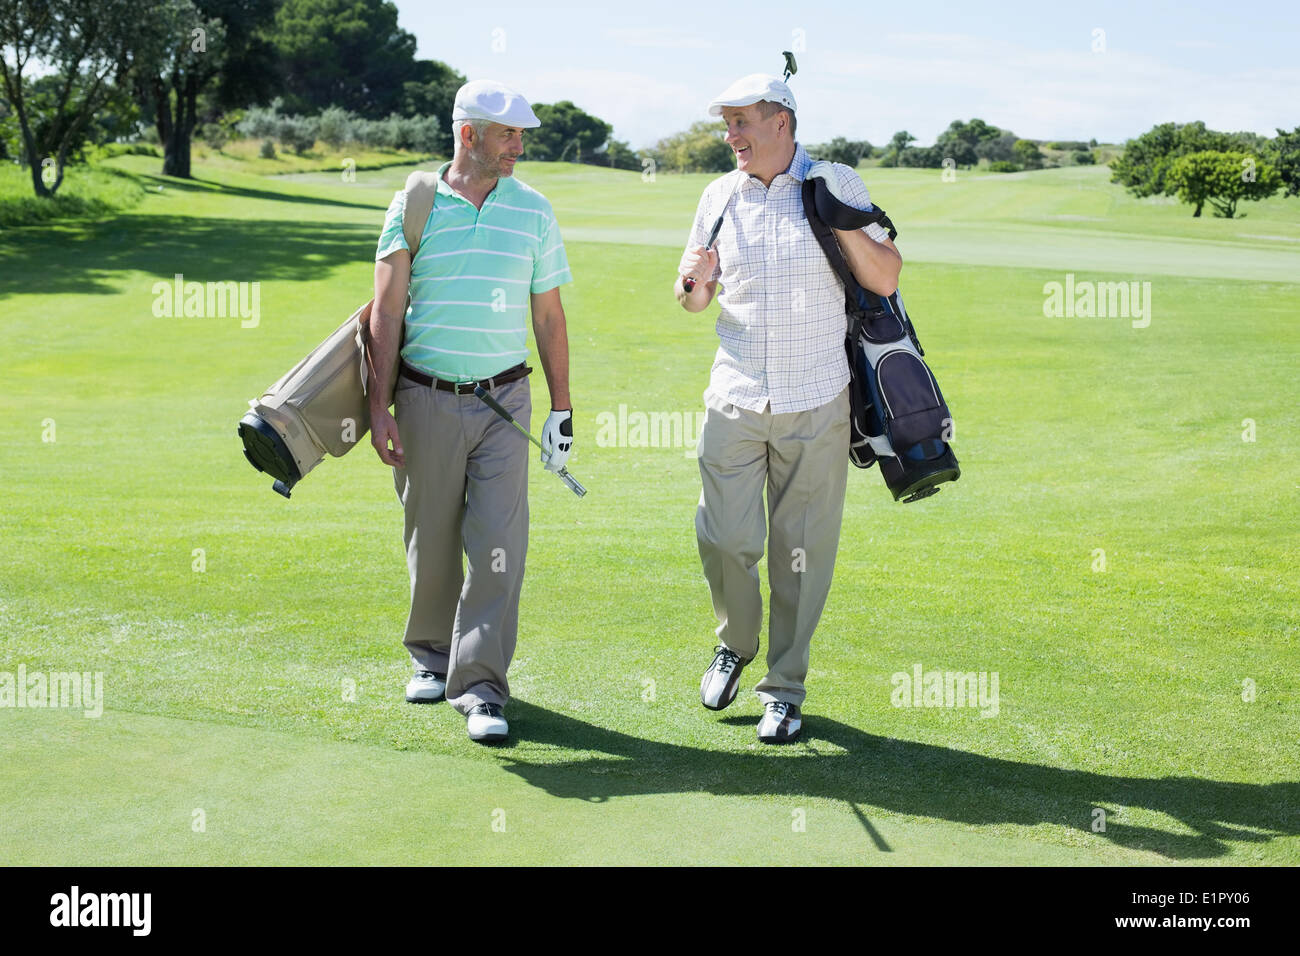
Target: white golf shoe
426, 687
719, 683
486, 724
780, 723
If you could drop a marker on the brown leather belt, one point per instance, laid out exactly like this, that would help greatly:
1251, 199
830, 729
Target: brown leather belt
467, 388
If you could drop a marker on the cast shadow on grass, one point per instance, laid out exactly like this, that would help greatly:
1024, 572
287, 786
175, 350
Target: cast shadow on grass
910, 778
204, 186
84, 257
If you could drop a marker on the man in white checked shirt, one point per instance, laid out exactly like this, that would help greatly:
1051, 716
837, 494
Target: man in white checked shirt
777, 402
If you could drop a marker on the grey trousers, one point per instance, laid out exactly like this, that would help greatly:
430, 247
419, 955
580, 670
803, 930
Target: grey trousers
802, 459
465, 493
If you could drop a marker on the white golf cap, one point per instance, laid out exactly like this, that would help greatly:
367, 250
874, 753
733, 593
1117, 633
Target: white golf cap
495, 102
752, 89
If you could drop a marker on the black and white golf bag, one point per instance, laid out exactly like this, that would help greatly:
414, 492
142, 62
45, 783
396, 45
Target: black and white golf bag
899, 416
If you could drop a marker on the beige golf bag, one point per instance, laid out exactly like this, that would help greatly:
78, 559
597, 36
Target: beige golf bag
320, 405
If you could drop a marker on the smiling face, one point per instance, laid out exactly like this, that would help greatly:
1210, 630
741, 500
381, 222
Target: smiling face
496, 150
763, 145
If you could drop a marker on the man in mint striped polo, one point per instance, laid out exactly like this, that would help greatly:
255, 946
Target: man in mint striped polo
489, 254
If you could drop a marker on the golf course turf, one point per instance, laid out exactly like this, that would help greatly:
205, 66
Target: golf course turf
1121, 552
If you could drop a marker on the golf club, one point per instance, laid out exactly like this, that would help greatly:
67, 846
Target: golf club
688, 282
493, 404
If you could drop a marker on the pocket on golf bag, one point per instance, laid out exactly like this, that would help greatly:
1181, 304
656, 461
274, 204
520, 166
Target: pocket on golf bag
909, 398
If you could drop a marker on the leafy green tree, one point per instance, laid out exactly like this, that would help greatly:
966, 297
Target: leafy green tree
87, 48
1028, 155
618, 155
1283, 154
842, 150
898, 144
700, 149
200, 58
348, 53
1221, 179
929, 157
180, 57
1001, 148
1084, 157
9, 135
1146, 160
568, 133
961, 140
432, 92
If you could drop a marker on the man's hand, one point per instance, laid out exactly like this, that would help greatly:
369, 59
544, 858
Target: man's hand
826, 173
383, 429
698, 264
557, 439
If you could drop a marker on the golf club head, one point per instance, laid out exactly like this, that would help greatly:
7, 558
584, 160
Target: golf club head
572, 482
791, 67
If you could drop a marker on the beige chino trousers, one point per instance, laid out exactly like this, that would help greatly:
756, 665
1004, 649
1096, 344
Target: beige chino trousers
802, 460
465, 493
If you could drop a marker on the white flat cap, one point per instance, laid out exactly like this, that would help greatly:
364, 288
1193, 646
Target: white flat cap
752, 89
496, 102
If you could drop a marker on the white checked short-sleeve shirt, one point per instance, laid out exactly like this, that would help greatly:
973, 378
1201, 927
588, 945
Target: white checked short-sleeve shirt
782, 324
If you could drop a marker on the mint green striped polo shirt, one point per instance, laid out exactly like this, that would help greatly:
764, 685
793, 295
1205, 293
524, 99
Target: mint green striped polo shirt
471, 279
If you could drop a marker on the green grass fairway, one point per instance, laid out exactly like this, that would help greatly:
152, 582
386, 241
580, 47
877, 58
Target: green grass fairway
1115, 552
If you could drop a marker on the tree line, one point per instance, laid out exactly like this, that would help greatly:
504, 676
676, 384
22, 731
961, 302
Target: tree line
76, 72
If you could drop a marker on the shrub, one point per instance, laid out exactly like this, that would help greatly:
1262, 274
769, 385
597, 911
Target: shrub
215, 135
1084, 157
268, 149
1002, 166
336, 126
297, 133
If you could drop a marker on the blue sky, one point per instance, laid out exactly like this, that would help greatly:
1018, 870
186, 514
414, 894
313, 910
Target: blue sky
868, 69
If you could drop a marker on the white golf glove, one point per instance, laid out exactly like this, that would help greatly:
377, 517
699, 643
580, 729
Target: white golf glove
826, 172
557, 439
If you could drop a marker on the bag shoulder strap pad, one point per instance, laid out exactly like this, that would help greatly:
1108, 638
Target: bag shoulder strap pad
826, 239
421, 188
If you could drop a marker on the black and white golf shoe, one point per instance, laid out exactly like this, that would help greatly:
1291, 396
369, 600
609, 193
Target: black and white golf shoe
426, 687
719, 684
486, 724
780, 723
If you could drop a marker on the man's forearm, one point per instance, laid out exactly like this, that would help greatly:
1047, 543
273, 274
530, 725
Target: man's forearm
553, 349
876, 265
385, 342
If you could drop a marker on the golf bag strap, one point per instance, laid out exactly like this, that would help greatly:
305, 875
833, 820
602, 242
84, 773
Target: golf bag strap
826, 239
421, 188
842, 216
